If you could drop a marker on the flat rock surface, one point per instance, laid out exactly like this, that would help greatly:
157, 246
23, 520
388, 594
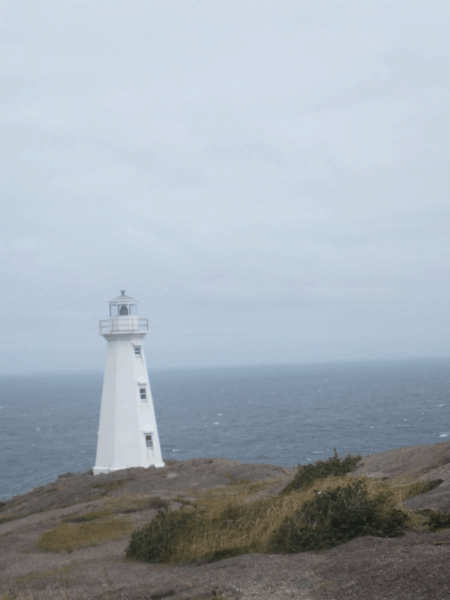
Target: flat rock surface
427, 463
414, 566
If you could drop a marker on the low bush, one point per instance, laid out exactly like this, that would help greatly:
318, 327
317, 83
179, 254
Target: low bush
438, 520
157, 540
334, 466
337, 516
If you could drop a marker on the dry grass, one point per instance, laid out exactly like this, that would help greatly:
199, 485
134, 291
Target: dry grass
68, 536
234, 524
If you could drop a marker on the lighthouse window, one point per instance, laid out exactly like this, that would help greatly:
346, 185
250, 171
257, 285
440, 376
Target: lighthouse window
123, 310
113, 310
137, 350
143, 394
149, 440
133, 309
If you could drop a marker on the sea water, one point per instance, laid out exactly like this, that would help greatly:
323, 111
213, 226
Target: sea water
280, 414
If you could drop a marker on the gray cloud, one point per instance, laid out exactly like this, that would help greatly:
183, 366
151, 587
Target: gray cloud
270, 180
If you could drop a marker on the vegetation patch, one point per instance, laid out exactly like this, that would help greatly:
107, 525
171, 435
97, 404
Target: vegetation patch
156, 541
337, 516
437, 520
69, 536
235, 519
334, 466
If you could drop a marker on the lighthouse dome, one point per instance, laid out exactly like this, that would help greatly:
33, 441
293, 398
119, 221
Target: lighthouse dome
122, 306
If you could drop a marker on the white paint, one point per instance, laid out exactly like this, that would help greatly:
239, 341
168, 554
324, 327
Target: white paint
126, 420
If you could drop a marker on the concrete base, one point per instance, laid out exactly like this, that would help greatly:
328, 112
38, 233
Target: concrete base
101, 470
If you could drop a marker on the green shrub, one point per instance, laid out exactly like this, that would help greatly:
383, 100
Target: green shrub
332, 466
336, 516
156, 541
438, 520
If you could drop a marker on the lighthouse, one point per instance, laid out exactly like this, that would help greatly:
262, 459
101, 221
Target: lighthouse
127, 434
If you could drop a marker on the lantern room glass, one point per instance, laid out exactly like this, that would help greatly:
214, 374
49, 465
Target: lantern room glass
123, 309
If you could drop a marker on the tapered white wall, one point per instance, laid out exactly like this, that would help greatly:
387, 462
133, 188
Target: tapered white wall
125, 419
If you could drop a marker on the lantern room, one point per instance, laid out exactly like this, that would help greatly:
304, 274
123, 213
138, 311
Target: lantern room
123, 317
123, 306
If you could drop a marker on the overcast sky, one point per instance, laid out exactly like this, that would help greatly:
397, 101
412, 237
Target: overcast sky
270, 179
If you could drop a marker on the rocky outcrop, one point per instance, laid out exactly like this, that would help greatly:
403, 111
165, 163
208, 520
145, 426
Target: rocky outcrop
412, 566
425, 463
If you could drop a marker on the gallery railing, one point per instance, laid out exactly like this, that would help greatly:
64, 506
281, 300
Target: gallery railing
123, 325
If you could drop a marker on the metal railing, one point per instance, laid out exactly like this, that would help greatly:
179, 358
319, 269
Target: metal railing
123, 325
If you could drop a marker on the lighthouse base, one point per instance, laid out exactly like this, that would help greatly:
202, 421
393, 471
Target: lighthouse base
101, 470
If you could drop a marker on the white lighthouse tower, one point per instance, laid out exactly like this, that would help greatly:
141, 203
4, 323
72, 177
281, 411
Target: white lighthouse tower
127, 435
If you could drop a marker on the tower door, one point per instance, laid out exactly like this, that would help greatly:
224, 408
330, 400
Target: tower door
149, 446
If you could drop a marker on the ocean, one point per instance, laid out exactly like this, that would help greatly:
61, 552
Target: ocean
280, 414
